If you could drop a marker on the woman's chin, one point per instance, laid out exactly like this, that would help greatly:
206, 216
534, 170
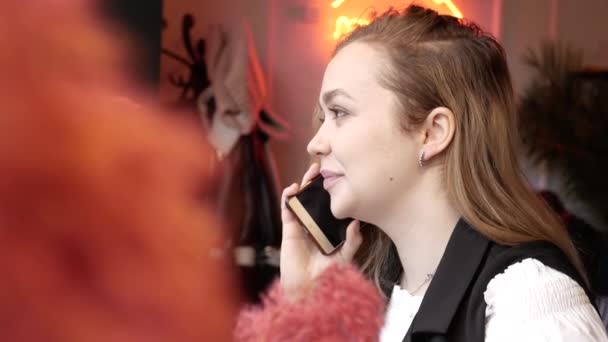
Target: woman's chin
340, 212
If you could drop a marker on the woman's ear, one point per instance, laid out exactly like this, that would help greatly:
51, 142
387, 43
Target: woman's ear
438, 131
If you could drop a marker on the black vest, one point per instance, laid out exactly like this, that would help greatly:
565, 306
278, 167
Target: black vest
453, 308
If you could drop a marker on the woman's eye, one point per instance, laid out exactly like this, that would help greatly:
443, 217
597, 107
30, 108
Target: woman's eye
338, 112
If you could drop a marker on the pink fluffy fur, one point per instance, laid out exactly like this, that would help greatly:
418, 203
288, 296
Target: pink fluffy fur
341, 306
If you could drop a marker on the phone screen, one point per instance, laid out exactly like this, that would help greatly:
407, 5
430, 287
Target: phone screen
316, 202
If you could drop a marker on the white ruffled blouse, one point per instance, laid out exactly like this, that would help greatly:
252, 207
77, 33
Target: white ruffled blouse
529, 301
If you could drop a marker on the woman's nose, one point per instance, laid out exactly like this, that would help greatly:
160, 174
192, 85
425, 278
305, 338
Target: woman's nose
318, 145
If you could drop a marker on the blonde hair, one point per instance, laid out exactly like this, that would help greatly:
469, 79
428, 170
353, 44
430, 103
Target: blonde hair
438, 60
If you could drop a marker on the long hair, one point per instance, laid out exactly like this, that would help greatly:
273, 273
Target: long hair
437, 60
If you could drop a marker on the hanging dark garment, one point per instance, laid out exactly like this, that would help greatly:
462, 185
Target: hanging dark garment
223, 78
246, 199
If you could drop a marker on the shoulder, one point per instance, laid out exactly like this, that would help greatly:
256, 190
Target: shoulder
532, 301
531, 282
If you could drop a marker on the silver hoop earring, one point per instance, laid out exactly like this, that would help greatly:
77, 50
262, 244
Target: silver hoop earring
421, 159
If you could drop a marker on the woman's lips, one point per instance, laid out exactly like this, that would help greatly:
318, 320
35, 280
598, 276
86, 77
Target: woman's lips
329, 178
328, 182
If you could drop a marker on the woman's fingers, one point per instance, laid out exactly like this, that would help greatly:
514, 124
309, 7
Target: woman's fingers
353, 241
291, 190
313, 171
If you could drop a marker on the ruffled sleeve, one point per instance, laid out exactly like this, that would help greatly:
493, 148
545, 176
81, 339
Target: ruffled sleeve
533, 302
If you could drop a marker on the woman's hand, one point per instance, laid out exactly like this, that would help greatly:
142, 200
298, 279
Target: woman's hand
301, 260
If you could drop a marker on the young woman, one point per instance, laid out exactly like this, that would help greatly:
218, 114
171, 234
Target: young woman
417, 139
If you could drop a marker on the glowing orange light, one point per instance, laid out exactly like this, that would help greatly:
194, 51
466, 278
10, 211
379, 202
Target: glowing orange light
345, 24
450, 5
337, 3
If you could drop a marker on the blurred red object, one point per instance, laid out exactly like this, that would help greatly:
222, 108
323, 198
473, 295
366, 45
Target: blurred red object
341, 306
103, 233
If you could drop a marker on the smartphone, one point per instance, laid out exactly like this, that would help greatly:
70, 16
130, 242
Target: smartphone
311, 207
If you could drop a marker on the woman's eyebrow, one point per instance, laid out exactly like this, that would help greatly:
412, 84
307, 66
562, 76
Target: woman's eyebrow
331, 94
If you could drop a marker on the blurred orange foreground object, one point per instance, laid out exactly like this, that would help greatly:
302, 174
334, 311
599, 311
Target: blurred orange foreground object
103, 233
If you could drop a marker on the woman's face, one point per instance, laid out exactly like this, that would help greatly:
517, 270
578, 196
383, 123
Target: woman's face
369, 163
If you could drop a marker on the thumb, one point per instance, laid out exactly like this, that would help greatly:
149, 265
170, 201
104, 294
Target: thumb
353, 240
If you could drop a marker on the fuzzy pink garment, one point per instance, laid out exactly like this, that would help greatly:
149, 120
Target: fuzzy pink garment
342, 306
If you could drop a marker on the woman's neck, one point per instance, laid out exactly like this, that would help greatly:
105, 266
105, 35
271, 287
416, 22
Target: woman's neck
420, 233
